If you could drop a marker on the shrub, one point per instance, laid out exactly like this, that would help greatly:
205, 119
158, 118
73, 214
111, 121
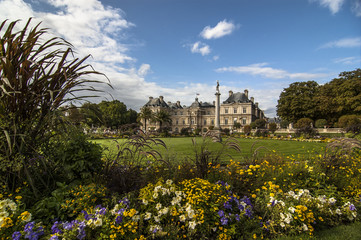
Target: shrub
185, 131
272, 127
348, 120
261, 133
247, 129
284, 124
320, 123
304, 122
74, 157
306, 132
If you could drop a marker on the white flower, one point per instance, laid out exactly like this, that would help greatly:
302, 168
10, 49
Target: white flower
338, 211
98, 222
282, 224
169, 182
178, 193
164, 211
182, 218
291, 193
135, 218
291, 209
157, 219
157, 188
155, 195
304, 227
165, 191
12, 205
155, 228
147, 216
282, 216
192, 225
332, 200
158, 206
176, 200
145, 201
4, 214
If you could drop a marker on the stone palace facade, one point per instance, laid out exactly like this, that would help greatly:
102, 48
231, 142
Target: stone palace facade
237, 108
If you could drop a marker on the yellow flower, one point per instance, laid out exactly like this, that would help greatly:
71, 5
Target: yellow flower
254, 196
25, 216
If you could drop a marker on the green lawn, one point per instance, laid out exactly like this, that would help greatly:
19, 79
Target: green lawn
182, 147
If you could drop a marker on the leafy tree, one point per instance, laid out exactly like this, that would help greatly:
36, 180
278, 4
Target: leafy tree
145, 114
297, 101
272, 127
341, 96
36, 78
162, 117
237, 125
113, 113
259, 123
284, 124
92, 115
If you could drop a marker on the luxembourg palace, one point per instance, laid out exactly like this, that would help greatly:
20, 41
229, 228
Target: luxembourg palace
238, 108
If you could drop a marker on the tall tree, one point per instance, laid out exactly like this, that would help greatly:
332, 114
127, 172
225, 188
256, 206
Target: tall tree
341, 96
298, 101
92, 115
145, 114
114, 113
162, 117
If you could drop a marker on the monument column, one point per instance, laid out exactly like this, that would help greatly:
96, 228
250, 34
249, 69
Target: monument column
217, 125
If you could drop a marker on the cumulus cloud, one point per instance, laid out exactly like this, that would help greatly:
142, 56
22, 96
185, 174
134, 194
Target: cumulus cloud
343, 43
261, 69
222, 28
333, 5
199, 47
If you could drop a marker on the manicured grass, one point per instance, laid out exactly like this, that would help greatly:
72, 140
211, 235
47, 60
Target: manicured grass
182, 147
346, 232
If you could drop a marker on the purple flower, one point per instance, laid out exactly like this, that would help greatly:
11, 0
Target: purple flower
119, 219
29, 227
81, 231
352, 207
55, 229
86, 215
221, 213
54, 238
227, 205
248, 213
224, 221
102, 211
237, 218
16, 236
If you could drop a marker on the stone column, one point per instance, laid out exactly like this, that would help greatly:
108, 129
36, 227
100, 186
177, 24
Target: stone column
217, 125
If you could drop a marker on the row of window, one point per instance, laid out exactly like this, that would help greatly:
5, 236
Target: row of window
226, 122
244, 110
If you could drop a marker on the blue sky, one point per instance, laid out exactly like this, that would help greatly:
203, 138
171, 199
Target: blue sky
179, 48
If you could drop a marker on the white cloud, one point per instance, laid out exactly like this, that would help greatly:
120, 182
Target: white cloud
222, 28
268, 72
348, 60
333, 5
344, 43
356, 8
144, 70
199, 47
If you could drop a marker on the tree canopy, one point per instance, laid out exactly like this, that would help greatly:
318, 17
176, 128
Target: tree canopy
341, 96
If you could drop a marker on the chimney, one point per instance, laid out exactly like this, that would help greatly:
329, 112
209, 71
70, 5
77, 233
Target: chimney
161, 98
252, 99
150, 98
256, 104
246, 92
230, 93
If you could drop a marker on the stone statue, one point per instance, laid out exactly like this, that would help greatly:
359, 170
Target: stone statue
217, 88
